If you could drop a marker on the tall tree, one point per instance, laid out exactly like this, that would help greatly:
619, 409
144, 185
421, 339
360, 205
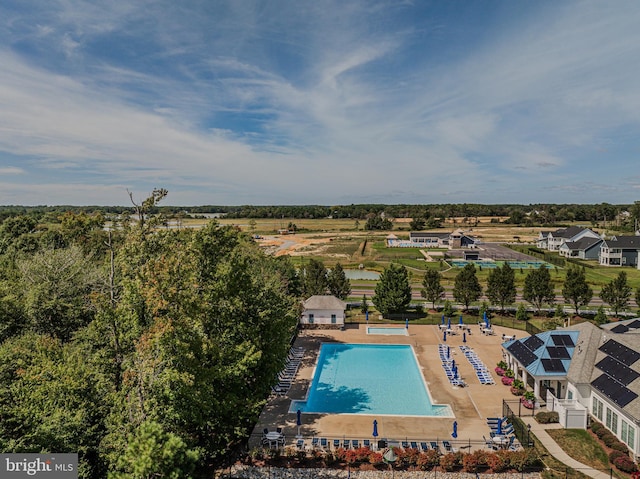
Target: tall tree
501, 286
538, 289
466, 287
393, 291
314, 278
617, 293
432, 287
364, 305
338, 284
576, 291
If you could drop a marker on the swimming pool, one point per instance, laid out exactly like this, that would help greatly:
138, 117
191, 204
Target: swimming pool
393, 331
380, 379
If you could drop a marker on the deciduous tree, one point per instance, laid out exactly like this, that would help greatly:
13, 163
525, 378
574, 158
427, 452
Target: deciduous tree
466, 288
432, 287
501, 286
576, 291
538, 289
617, 293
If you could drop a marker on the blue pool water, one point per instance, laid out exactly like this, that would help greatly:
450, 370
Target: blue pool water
369, 379
396, 331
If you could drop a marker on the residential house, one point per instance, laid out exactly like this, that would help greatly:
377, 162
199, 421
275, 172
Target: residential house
620, 251
323, 311
585, 369
552, 240
454, 240
584, 248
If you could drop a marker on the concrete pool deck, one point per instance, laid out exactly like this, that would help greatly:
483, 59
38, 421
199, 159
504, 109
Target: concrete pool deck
471, 405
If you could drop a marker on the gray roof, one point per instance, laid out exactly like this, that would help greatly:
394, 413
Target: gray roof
583, 360
570, 232
623, 242
422, 234
583, 244
325, 301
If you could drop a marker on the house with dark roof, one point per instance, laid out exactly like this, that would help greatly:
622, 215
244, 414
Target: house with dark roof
552, 240
585, 369
620, 251
584, 248
324, 311
454, 240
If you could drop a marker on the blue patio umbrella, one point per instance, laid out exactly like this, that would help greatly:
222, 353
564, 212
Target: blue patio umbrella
444, 335
464, 337
499, 428
455, 374
449, 324
406, 323
448, 351
486, 320
453, 364
443, 319
461, 320
454, 434
299, 420
366, 316
375, 428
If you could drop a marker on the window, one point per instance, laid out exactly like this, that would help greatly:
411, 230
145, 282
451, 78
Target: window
569, 394
333, 319
310, 318
597, 408
612, 421
628, 434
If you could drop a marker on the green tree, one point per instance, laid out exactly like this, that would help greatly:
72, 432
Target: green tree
364, 305
538, 288
417, 224
153, 452
393, 291
338, 284
638, 296
501, 286
617, 293
377, 222
466, 287
314, 278
521, 313
601, 316
576, 291
447, 309
432, 287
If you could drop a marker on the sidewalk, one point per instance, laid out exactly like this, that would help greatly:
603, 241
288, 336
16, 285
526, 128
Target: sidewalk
539, 431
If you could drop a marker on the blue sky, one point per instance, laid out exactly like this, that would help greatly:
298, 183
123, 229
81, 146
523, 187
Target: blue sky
319, 102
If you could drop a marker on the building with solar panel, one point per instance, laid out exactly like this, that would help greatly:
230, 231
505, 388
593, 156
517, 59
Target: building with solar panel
585, 370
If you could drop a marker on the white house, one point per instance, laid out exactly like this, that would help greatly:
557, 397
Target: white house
552, 240
324, 310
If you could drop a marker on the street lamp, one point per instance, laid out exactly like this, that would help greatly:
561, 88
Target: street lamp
528, 435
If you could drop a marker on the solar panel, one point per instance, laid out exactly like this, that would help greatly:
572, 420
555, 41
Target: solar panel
562, 340
558, 352
635, 324
619, 351
618, 371
521, 353
615, 391
553, 366
533, 343
620, 329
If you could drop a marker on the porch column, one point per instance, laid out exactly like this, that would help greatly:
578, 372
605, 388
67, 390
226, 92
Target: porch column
536, 388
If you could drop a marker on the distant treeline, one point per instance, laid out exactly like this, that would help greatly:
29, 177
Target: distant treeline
517, 214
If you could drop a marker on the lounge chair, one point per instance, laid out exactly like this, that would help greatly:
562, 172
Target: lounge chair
424, 446
414, 445
405, 444
355, 444
324, 443
315, 442
346, 443
447, 446
300, 444
366, 443
434, 446
336, 443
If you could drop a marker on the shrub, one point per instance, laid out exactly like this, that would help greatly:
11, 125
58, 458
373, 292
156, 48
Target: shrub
499, 371
625, 464
498, 461
602, 432
449, 462
507, 381
367, 467
375, 458
516, 391
613, 455
620, 446
609, 439
509, 373
519, 460
547, 417
428, 460
596, 426
503, 365
475, 461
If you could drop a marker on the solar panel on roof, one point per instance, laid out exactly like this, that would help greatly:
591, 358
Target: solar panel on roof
634, 324
619, 329
615, 391
618, 371
619, 351
553, 366
533, 343
521, 353
559, 352
562, 340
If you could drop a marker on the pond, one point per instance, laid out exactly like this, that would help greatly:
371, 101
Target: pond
361, 274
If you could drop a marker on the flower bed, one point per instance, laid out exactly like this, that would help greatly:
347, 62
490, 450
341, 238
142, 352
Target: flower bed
499, 371
507, 381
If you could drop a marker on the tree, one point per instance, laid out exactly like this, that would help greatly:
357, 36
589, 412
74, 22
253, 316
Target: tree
154, 452
393, 292
447, 308
501, 286
601, 316
417, 224
538, 289
338, 284
617, 293
433, 290
364, 305
377, 222
466, 287
314, 278
521, 313
576, 291
638, 296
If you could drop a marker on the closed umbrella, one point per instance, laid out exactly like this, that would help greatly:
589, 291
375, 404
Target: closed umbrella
499, 428
299, 420
486, 319
375, 428
366, 316
453, 363
461, 320
454, 434
444, 335
464, 337
406, 323
449, 324
448, 351
443, 319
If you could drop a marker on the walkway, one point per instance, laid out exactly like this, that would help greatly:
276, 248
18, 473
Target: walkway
547, 441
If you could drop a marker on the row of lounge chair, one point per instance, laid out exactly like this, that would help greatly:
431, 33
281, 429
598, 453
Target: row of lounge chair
447, 362
328, 444
482, 372
287, 375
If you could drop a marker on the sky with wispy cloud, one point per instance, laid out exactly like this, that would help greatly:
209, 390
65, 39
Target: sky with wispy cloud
319, 102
